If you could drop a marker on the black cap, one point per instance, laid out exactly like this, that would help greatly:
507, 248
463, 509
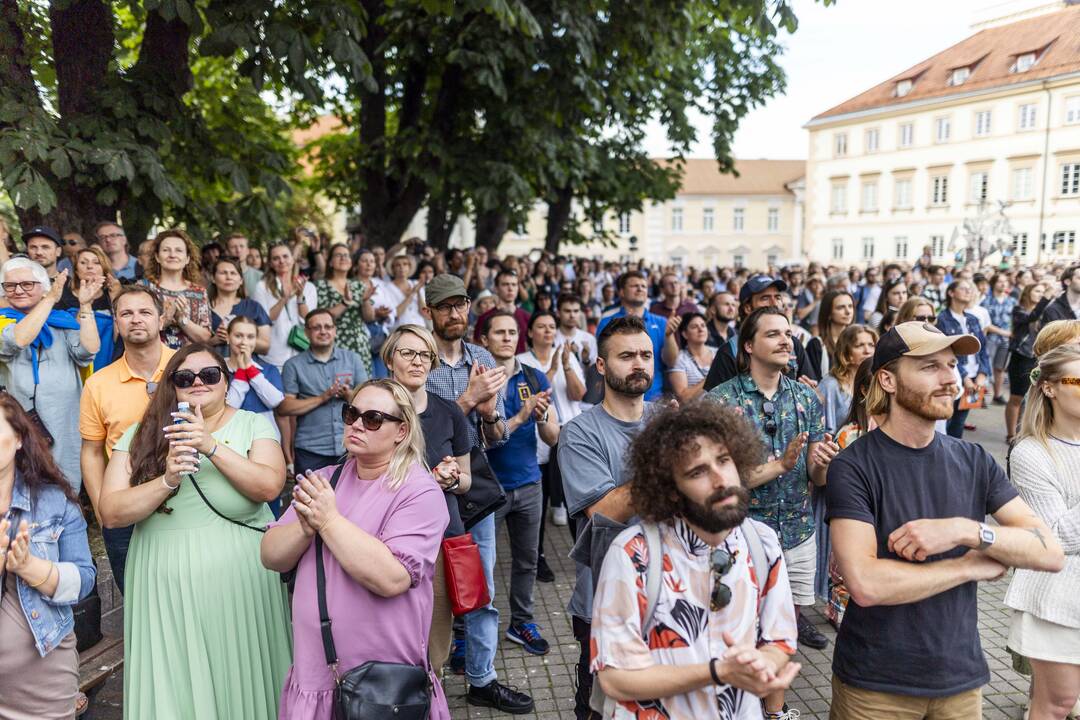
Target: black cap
757, 283
42, 231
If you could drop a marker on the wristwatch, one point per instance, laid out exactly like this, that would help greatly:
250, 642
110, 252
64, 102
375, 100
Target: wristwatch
987, 536
498, 417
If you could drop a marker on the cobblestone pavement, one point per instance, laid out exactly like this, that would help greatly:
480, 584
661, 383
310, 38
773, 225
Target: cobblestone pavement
551, 679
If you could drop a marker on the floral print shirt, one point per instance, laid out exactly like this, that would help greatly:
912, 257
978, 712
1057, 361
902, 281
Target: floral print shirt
784, 503
352, 331
199, 314
684, 630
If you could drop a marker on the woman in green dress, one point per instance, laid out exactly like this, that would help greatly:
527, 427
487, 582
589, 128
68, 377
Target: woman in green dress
349, 301
206, 627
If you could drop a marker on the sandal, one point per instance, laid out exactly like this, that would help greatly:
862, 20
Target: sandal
82, 703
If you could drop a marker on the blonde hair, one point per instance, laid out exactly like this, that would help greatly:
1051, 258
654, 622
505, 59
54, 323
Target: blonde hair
409, 451
877, 400
1055, 334
1038, 409
106, 266
390, 345
843, 369
906, 313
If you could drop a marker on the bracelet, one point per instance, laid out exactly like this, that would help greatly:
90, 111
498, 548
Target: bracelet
172, 488
43, 581
712, 671
453, 486
211, 453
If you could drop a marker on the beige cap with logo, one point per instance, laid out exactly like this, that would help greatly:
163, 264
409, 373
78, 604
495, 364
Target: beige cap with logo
918, 339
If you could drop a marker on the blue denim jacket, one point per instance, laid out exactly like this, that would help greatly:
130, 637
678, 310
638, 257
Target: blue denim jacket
947, 324
57, 533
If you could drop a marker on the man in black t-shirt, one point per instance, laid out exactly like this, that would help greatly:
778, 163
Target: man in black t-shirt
906, 508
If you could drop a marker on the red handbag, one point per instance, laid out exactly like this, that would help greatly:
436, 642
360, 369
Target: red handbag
466, 585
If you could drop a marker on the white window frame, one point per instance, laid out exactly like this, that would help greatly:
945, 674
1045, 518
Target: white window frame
676, 219
738, 261
983, 123
708, 219
1064, 243
1020, 244
868, 196
979, 187
624, 223
838, 198
1024, 62
771, 259
901, 248
774, 219
904, 87
902, 194
868, 248
939, 190
840, 147
872, 140
1072, 110
959, 75
1028, 117
942, 129
937, 245
738, 220
838, 248
1070, 179
1023, 183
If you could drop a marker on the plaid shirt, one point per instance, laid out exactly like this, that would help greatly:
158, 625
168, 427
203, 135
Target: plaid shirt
449, 382
1000, 311
784, 503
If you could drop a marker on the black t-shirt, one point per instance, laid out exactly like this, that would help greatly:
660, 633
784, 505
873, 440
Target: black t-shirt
930, 648
446, 432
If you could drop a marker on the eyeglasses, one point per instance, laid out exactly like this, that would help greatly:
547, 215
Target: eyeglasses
460, 307
111, 236
769, 408
373, 419
408, 355
924, 318
1069, 381
72, 242
24, 286
186, 378
720, 561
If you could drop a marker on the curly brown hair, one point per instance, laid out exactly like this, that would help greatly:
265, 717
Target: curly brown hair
669, 437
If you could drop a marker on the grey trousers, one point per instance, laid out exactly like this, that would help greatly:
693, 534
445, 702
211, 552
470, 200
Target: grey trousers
522, 513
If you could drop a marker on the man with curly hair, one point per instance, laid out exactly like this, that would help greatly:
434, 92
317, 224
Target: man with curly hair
723, 630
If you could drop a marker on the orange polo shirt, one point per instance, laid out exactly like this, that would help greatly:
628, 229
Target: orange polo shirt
114, 399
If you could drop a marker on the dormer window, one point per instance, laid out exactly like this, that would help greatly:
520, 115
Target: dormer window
903, 87
1024, 62
959, 76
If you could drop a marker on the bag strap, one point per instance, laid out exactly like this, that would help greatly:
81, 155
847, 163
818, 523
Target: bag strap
325, 624
655, 571
217, 512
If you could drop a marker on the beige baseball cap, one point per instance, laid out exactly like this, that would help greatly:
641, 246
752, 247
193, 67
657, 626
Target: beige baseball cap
917, 339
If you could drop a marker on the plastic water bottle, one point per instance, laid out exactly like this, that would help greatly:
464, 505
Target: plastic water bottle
183, 407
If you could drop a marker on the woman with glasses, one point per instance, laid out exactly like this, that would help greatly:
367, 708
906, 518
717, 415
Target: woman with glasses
174, 275
349, 301
377, 522
229, 300
411, 354
205, 625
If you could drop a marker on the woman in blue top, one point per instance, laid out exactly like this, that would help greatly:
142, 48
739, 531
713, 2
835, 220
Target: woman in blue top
954, 319
228, 300
45, 569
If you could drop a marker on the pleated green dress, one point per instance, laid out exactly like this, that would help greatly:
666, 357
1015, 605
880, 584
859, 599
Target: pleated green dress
206, 626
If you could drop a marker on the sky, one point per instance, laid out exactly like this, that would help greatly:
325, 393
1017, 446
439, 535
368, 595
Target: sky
838, 52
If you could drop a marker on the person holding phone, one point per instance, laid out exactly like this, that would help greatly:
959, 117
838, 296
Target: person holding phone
206, 629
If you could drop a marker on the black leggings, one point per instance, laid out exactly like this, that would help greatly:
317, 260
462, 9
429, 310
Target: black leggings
552, 491
1020, 368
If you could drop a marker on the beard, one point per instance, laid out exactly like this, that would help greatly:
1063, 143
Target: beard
634, 384
712, 519
451, 330
925, 406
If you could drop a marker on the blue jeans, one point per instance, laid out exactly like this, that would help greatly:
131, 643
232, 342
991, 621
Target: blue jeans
116, 547
955, 425
482, 626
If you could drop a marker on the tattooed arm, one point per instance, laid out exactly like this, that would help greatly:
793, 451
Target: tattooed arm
1023, 540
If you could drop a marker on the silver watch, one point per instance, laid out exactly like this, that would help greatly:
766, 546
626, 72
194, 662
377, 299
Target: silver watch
987, 536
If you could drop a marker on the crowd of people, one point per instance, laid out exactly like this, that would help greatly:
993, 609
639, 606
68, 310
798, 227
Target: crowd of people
290, 450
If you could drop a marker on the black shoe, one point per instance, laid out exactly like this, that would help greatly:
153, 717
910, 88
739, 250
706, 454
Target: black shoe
999, 400
500, 697
810, 636
543, 571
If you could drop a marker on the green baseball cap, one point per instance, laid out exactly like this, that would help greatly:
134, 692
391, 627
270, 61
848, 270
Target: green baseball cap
443, 287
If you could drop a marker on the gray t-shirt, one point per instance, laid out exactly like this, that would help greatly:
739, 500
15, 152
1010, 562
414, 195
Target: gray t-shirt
592, 452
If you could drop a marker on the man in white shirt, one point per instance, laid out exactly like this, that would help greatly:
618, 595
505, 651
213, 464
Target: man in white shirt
571, 317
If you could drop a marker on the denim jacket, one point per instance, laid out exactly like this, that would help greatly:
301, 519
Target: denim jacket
947, 324
57, 533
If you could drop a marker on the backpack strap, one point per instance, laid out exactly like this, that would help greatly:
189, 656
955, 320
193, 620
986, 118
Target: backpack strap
655, 571
531, 377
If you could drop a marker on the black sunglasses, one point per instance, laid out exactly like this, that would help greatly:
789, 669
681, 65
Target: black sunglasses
186, 378
373, 419
925, 318
769, 408
720, 562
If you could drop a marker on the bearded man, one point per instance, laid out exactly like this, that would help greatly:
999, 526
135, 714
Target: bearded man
906, 508
723, 629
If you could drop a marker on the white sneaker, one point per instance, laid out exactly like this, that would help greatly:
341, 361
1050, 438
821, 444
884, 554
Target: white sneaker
559, 516
790, 714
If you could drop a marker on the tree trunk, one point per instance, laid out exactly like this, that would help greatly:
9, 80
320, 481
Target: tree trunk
558, 215
443, 214
491, 225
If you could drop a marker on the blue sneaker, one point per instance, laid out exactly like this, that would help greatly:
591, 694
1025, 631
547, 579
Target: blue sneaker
528, 636
457, 657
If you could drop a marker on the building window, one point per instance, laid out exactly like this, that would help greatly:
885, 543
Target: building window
939, 190
1070, 179
838, 249
738, 260
774, 219
1028, 116
907, 135
937, 245
903, 87
624, 224
959, 76
1022, 183
982, 123
868, 248
873, 140
980, 187
1024, 62
1065, 242
839, 198
1020, 244
771, 259
1072, 110
840, 144
707, 217
869, 197
942, 129
676, 219
901, 248
739, 220
903, 194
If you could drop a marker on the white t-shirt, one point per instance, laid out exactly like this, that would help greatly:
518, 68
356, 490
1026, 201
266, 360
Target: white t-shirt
582, 338
280, 351
411, 315
982, 315
566, 408
969, 366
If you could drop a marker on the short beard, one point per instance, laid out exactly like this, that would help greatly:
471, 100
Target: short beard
451, 334
717, 520
921, 405
634, 385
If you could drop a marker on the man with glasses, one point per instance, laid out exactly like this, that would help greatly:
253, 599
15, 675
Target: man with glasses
116, 397
506, 294
790, 419
317, 383
701, 653
113, 241
468, 375
73, 243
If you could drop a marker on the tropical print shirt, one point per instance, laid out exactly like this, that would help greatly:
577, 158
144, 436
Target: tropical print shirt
784, 503
1000, 311
684, 630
